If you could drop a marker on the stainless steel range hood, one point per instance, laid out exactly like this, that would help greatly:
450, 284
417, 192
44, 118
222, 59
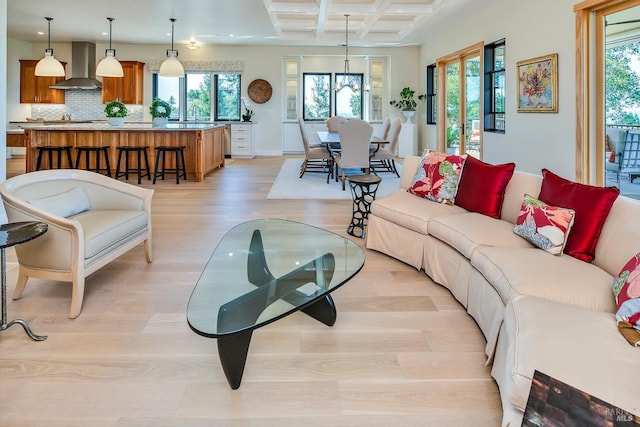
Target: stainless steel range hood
83, 68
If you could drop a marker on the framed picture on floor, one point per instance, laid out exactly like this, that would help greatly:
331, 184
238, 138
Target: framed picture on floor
538, 84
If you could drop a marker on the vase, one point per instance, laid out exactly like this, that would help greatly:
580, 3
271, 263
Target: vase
246, 118
409, 115
115, 121
158, 122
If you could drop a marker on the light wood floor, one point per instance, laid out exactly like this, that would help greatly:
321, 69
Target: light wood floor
403, 352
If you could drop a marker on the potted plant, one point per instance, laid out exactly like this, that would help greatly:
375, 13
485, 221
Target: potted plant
115, 111
248, 112
160, 111
407, 102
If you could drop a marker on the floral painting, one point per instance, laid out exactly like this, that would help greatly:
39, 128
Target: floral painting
538, 84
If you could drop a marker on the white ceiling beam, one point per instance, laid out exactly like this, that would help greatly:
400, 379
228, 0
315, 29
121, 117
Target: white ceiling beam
322, 17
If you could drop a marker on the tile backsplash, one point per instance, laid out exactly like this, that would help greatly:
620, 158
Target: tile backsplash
81, 105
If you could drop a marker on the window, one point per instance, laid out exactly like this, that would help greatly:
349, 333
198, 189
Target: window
227, 96
168, 89
431, 94
198, 90
316, 88
348, 103
191, 96
494, 87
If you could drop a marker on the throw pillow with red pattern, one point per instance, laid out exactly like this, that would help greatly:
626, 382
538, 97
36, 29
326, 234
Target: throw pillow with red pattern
626, 289
547, 227
437, 177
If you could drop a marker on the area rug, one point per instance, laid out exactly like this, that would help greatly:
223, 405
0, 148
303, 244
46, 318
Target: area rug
314, 185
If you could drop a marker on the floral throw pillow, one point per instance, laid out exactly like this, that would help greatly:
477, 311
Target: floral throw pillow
626, 289
547, 227
437, 177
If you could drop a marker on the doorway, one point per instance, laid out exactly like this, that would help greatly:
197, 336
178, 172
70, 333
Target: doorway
460, 109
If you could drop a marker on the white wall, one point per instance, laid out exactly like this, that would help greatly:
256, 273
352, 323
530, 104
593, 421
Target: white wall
3, 97
260, 62
531, 29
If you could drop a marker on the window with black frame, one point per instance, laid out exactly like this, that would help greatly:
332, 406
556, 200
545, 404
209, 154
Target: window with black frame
494, 87
190, 97
348, 100
316, 89
431, 94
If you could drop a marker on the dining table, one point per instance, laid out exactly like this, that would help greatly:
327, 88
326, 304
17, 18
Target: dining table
332, 141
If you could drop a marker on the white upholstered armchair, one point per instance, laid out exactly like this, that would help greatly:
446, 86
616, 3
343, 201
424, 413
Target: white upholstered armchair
92, 220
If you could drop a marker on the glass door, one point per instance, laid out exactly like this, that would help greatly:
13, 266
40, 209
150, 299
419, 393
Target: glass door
462, 105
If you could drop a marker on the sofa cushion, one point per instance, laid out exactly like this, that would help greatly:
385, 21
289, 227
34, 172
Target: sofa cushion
530, 271
104, 229
591, 205
409, 211
577, 346
626, 289
466, 231
481, 187
437, 177
547, 227
64, 204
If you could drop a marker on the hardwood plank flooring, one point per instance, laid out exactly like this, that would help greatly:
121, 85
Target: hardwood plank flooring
402, 352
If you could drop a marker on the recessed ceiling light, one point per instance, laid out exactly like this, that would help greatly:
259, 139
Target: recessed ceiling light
40, 33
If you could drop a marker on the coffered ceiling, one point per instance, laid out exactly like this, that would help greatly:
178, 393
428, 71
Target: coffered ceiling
284, 22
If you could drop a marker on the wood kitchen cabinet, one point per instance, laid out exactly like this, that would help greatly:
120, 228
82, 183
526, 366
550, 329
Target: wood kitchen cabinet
128, 89
35, 89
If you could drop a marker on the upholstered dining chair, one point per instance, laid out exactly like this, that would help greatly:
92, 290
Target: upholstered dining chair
355, 139
334, 123
384, 129
384, 157
316, 157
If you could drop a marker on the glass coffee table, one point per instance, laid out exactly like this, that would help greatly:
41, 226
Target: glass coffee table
262, 271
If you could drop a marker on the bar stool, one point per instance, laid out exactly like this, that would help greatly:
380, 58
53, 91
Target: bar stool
179, 169
99, 151
50, 150
139, 151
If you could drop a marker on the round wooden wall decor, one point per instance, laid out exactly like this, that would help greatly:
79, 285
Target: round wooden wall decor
260, 91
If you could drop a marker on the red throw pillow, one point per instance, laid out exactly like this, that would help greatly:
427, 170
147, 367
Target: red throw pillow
591, 205
612, 156
481, 187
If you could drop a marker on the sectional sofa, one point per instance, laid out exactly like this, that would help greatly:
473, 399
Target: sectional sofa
537, 311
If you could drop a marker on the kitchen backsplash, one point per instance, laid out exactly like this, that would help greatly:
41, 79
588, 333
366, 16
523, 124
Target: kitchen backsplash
81, 105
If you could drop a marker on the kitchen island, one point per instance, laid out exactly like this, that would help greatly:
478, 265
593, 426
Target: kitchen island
204, 143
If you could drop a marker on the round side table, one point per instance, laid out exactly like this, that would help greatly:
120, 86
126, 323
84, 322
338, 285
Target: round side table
363, 189
10, 235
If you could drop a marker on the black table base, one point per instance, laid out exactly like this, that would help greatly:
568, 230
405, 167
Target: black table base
363, 189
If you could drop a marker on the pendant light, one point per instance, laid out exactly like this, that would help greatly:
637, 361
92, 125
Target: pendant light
171, 67
109, 65
347, 79
49, 66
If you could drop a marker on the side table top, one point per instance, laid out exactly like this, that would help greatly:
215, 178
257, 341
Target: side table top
14, 233
364, 179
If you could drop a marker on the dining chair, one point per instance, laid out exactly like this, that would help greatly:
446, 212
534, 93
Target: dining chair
355, 139
316, 157
384, 129
384, 157
334, 123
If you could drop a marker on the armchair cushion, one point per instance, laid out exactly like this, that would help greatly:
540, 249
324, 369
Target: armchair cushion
106, 229
64, 204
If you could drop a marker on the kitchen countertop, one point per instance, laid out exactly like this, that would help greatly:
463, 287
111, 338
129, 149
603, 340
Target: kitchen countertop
134, 126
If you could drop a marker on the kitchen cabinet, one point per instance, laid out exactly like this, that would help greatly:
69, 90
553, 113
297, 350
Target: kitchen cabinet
129, 88
241, 140
35, 89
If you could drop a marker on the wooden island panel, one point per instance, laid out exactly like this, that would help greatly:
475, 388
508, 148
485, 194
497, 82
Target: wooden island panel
204, 148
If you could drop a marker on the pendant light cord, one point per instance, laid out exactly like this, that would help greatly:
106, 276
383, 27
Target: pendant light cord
49, 34
173, 20
110, 22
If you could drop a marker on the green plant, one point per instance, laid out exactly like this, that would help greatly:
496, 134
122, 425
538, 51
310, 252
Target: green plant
248, 112
407, 100
115, 108
160, 108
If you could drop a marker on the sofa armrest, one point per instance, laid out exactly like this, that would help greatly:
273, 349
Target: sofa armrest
409, 168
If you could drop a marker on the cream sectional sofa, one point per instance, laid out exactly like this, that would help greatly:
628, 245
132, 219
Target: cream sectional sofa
537, 311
